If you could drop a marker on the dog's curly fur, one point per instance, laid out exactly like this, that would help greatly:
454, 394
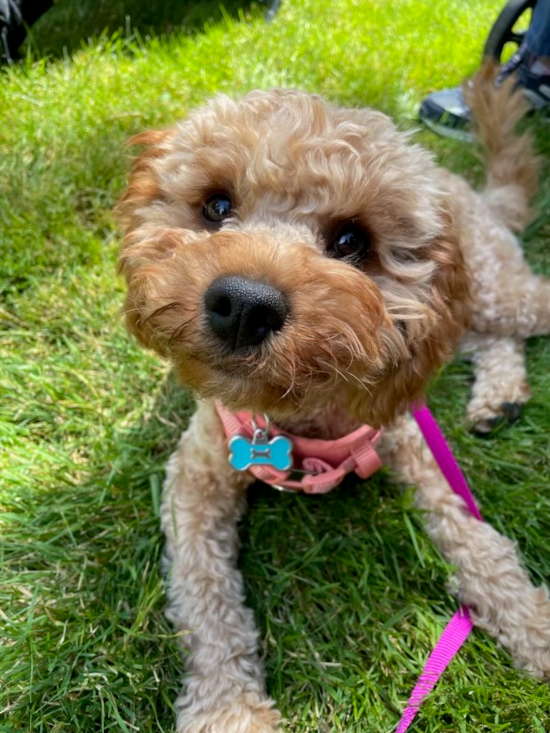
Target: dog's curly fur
360, 343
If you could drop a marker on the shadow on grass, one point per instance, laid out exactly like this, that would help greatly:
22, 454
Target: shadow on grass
98, 641
71, 23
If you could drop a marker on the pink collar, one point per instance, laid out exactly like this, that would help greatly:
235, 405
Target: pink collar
318, 465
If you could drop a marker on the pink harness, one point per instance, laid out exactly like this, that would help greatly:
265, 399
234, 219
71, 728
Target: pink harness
322, 464
319, 465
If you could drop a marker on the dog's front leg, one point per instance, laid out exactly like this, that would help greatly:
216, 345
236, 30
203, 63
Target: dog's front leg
489, 575
500, 388
203, 500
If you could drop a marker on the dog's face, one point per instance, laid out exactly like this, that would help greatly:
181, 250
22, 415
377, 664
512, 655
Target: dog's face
286, 254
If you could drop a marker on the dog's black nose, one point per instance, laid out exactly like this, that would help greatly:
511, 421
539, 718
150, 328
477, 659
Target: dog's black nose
244, 312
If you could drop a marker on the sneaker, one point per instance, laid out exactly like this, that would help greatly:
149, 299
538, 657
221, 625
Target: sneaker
447, 114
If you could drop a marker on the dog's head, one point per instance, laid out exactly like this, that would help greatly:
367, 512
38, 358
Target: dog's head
286, 253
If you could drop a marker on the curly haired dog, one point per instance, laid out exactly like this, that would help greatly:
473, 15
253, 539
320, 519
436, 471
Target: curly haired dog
310, 262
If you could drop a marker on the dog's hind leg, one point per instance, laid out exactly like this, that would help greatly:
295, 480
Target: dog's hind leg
514, 302
203, 500
500, 386
489, 575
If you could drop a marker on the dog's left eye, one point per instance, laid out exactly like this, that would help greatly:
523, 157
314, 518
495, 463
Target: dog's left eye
351, 241
217, 207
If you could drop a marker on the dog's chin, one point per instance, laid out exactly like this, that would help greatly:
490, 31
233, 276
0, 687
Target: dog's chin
233, 386
239, 388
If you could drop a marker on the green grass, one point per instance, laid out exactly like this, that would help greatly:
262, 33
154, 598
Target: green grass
349, 592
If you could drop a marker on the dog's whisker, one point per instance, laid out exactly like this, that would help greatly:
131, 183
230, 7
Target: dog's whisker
175, 335
162, 309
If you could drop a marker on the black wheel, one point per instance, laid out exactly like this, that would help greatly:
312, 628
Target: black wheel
503, 30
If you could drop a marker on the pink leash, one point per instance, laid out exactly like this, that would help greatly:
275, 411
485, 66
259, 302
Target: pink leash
444, 456
457, 630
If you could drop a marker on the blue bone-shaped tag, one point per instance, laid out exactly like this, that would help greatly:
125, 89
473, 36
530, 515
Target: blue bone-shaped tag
276, 452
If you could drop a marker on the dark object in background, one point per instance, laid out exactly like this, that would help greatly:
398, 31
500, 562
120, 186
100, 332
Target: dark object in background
273, 9
70, 24
503, 31
16, 16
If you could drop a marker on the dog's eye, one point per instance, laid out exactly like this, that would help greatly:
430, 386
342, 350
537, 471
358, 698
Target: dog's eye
217, 207
351, 241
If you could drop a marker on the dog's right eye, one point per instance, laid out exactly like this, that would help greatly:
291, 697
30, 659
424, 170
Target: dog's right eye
217, 208
351, 243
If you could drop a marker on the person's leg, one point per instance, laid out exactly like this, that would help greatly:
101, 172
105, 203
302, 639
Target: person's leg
447, 113
533, 72
537, 38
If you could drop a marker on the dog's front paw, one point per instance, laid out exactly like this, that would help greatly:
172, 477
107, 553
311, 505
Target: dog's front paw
530, 645
484, 417
518, 616
244, 714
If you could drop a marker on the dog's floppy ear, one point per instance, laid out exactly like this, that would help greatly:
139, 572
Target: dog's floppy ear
137, 310
143, 186
137, 249
448, 317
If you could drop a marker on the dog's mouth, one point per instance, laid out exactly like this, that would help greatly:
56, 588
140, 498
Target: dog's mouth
246, 371
239, 386
272, 379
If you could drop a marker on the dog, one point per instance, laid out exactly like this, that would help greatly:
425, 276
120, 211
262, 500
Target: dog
314, 264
